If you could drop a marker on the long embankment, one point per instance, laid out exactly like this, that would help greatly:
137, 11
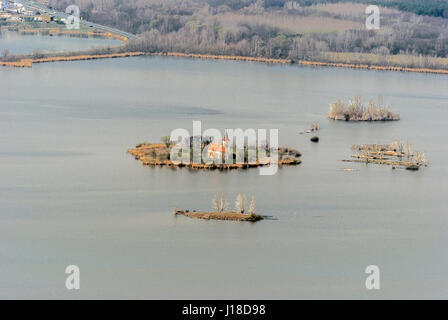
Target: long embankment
371, 67
222, 57
28, 63
303, 62
74, 33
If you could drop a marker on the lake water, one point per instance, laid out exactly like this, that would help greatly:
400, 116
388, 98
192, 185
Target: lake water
70, 194
16, 43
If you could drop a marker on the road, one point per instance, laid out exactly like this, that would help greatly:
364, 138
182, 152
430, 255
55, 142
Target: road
41, 8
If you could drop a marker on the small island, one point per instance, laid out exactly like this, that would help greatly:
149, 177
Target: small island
221, 212
158, 154
355, 110
397, 154
231, 216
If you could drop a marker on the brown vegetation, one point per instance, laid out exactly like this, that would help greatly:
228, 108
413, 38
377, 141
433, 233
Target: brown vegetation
369, 61
158, 154
73, 33
399, 62
23, 63
220, 207
347, 10
356, 111
230, 215
88, 57
218, 57
396, 154
28, 62
287, 23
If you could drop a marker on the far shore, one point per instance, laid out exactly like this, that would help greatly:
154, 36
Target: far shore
28, 62
301, 62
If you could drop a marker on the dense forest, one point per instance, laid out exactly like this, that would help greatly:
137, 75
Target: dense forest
435, 8
302, 29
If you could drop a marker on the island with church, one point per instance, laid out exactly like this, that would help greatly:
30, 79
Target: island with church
221, 155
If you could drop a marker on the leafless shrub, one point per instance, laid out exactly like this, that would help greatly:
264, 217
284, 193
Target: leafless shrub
356, 111
397, 146
5, 53
420, 158
252, 205
336, 109
409, 150
315, 126
215, 204
396, 149
240, 203
223, 205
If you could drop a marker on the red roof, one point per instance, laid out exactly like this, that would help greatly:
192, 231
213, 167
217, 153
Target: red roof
216, 147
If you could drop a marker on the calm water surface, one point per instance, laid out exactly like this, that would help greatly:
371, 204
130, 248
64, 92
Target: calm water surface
69, 193
16, 43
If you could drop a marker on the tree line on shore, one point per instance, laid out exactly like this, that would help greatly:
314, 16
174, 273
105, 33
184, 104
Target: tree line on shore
264, 29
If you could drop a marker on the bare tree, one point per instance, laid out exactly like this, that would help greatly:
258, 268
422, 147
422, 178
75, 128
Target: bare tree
166, 140
37, 54
240, 203
252, 205
397, 146
380, 101
336, 108
215, 204
420, 158
408, 150
223, 205
357, 111
5, 53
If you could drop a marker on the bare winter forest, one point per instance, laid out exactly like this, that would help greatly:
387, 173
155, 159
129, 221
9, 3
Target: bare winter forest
412, 34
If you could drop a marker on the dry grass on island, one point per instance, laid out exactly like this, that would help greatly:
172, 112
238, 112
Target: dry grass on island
221, 211
355, 110
75, 33
396, 154
27, 61
158, 154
